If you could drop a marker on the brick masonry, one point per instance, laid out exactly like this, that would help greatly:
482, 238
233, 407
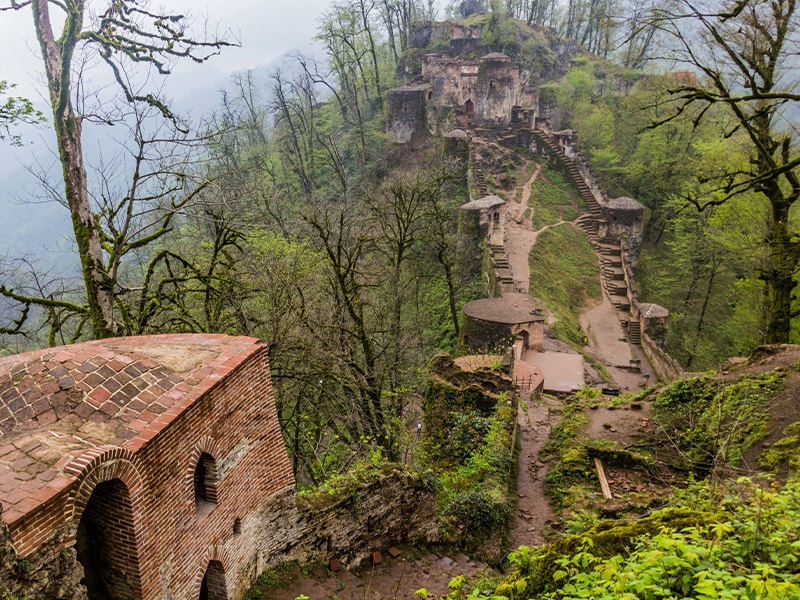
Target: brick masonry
128, 509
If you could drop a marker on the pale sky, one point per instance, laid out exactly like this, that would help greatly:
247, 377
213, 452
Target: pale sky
266, 28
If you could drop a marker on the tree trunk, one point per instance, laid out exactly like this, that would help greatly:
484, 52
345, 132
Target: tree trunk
57, 58
779, 275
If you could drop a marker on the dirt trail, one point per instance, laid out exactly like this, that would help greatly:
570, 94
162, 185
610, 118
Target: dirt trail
533, 509
608, 343
518, 244
397, 578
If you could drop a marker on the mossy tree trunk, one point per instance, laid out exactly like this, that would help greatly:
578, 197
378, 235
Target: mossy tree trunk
57, 56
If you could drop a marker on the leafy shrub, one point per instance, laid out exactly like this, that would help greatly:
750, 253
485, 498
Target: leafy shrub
479, 511
466, 435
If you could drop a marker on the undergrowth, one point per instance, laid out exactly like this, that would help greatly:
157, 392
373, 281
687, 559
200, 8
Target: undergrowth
711, 422
731, 540
551, 199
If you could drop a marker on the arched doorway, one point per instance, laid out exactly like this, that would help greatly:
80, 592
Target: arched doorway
469, 107
106, 544
213, 585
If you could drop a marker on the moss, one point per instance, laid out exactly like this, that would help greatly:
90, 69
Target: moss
349, 486
786, 451
608, 538
275, 577
697, 413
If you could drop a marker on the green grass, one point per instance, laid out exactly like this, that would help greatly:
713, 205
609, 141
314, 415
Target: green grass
552, 199
564, 271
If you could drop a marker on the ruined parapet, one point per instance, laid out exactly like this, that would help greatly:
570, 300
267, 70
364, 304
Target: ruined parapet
490, 212
684, 77
653, 320
406, 112
567, 140
425, 33
496, 90
456, 145
465, 38
471, 7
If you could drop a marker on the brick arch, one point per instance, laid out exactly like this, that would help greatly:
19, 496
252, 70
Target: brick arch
96, 465
213, 554
205, 445
105, 515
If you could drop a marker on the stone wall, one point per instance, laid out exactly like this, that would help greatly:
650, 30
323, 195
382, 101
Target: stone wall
394, 508
496, 92
405, 112
666, 367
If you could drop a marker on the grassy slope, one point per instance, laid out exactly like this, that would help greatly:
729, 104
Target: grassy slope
564, 271
552, 200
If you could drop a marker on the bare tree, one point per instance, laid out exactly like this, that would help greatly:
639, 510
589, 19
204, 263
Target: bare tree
125, 31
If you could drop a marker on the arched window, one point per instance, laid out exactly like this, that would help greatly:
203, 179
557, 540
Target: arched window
205, 484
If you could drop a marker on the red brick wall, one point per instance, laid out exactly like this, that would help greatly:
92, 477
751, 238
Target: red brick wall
236, 424
176, 538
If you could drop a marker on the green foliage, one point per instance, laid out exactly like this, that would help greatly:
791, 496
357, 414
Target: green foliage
551, 200
275, 577
564, 271
467, 432
712, 421
479, 511
349, 484
738, 540
752, 551
14, 110
785, 451
472, 457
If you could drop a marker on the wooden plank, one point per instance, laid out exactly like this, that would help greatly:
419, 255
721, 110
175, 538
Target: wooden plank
601, 475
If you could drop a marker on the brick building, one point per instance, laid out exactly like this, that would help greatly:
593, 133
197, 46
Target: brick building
148, 459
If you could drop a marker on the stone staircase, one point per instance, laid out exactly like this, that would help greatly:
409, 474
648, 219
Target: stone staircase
480, 180
608, 249
502, 269
574, 173
635, 332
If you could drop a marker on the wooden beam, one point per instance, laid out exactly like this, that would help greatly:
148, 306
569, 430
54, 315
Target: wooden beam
602, 477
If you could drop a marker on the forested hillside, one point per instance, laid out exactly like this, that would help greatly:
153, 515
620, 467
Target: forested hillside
658, 465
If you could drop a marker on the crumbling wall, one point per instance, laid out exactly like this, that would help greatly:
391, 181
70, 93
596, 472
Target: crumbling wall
53, 571
392, 507
406, 114
666, 367
496, 93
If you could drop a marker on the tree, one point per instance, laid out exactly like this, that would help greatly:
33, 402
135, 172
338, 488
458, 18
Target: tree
15, 110
742, 50
124, 32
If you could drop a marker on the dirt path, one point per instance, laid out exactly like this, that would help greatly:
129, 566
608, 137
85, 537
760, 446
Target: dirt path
397, 578
518, 244
609, 344
533, 508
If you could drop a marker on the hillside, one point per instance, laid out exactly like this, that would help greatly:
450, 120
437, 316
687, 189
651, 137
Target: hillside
451, 310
